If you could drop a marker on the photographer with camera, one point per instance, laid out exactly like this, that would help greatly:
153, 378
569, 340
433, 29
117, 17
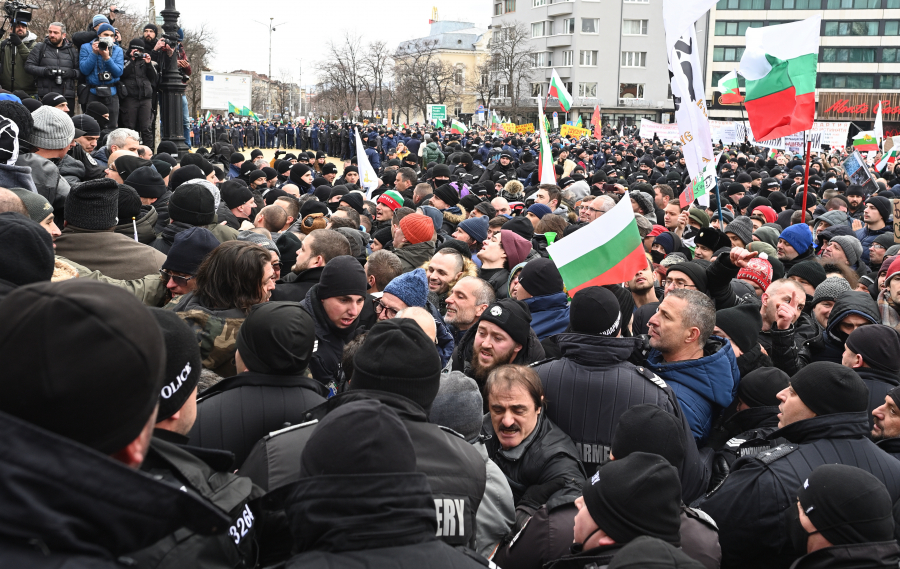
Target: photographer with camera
14, 52
138, 82
102, 63
54, 65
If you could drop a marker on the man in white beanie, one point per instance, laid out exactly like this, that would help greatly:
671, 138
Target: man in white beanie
50, 140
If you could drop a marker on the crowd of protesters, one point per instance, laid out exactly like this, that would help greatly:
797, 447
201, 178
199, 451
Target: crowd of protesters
219, 360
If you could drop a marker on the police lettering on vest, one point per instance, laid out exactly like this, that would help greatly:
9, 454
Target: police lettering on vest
450, 514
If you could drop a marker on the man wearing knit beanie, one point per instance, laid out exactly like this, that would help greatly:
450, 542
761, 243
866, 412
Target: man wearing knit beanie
844, 248
822, 388
872, 351
187, 253
149, 185
809, 274
91, 212
387, 203
741, 325
51, 137
826, 294
409, 289
740, 231
639, 495
498, 256
795, 245
758, 273
876, 216
414, 241
473, 232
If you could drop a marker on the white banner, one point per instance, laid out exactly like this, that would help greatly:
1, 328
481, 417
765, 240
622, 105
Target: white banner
833, 134
687, 81
663, 131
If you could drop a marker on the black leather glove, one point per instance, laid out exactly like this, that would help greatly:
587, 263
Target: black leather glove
15, 39
720, 471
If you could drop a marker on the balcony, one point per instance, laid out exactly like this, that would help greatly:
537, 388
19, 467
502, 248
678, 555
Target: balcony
560, 8
561, 40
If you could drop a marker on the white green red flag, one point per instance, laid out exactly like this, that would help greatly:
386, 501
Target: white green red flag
558, 90
545, 163
888, 159
700, 187
607, 251
457, 127
779, 65
865, 141
728, 86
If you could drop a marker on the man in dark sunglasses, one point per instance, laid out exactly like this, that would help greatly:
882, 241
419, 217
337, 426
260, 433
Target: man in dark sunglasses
183, 262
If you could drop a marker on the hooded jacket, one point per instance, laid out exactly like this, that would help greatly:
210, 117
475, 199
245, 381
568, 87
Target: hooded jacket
145, 225
236, 412
829, 345
593, 384
870, 555
432, 153
751, 505
705, 386
66, 505
414, 256
549, 314
330, 340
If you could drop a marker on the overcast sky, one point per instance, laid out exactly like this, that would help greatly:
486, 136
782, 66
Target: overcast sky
308, 25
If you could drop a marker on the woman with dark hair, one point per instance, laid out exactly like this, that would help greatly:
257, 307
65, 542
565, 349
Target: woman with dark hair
233, 278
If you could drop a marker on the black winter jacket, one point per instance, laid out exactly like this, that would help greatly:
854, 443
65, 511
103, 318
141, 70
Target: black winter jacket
589, 388
138, 79
330, 340
861, 555
461, 359
455, 469
65, 505
294, 287
829, 345
546, 454
45, 57
750, 506
373, 521
879, 383
236, 412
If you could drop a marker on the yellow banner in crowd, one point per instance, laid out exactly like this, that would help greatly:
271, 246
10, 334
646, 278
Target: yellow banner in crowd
525, 128
508, 126
568, 130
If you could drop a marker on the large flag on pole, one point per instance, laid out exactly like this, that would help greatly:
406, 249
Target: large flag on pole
558, 90
865, 141
545, 167
779, 65
889, 158
879, 126
728, 86
688, 92
595, 120
457, 127
607, 251
368, 180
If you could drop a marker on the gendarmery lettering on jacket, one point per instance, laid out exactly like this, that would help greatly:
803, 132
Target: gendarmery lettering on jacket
173, 386
241, 525
592, 453
450, 514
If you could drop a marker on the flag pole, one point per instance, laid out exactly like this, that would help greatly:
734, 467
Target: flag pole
719, 203
805, 179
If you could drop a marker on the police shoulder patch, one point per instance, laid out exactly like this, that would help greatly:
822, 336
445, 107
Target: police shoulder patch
771, 455
651, 376
542, 362
291, 428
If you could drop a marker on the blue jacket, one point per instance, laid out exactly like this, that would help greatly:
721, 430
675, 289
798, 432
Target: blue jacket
374, 159
446, 341
867, 237
549, 314
704, 387
91, 65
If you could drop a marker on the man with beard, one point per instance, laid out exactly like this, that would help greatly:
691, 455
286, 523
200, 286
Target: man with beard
316, 250
643, 287
467, 300
502, 336
55, 59
14, 52
886, 424
871, 351
443, 270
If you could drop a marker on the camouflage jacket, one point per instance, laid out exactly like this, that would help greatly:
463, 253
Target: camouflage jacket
216, 332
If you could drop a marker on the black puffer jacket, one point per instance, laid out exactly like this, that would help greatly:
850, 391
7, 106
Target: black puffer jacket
45, 57
65, 505
138, 78
589, 388
330, 340
751, 506
294, 287
376, 520
546, 454
829, 345
238, 411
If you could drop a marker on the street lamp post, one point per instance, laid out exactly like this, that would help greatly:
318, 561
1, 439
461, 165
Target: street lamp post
171, 87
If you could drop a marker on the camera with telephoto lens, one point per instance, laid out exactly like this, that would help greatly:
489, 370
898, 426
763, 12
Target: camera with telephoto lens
171, 39
18, 12
104, 44
57, 75
138, 54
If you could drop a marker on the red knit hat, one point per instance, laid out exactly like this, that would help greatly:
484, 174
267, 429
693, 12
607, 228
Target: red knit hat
392, 199
893, 270
417, 228
767, 212
514, 245
758, 271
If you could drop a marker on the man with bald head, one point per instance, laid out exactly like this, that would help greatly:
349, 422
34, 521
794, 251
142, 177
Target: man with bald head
111, 171
501, 205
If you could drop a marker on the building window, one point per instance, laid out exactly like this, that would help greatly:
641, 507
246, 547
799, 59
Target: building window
503, 90
891, 28
590, 25
539, 3
457, 108
735, 28
833, 81
889, 55
890, 81
848, 55
716, 77
727, 53
541, 29
587, 58
567, 57
851, 28
568, 26
498, 8
740, 5
634, 59
542, 59
892, 4
588, 90
459, 75
631, 91
851, 4
509, 6
634, 27
796, 5
537, 89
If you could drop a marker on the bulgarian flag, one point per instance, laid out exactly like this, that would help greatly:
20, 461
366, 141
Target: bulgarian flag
728, 86
779, 66
865, 141
607, 251
545, 163
457, 127
558, 90
208, 113
888, 159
